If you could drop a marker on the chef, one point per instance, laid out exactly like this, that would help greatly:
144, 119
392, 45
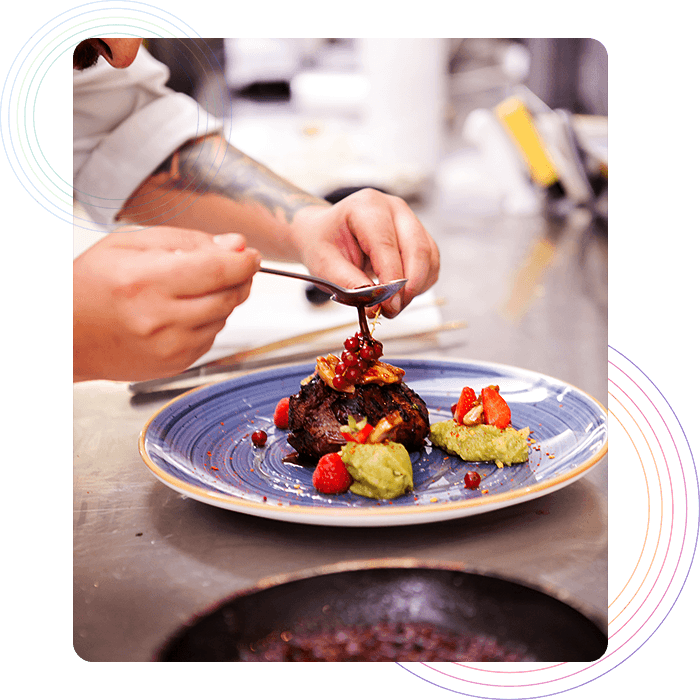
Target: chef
190, 217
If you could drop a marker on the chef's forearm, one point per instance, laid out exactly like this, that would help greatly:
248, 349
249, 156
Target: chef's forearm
211, 186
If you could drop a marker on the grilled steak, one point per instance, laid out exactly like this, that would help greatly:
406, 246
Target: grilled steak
317, 413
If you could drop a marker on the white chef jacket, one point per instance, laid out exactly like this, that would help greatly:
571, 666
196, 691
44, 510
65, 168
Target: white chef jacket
125, 124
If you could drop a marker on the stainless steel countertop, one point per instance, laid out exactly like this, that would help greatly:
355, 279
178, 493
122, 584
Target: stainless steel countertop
146, 558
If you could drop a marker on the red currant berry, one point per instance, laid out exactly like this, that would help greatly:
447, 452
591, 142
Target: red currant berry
339, 382
340, 369
367, 353
349, 359
472, 480
352, 343
259, 438
352, 374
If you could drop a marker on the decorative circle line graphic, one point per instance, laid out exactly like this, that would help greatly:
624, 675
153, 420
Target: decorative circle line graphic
650, 436
28, 131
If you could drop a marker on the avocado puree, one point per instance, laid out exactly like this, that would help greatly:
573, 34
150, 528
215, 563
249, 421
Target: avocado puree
481, 443
381, 470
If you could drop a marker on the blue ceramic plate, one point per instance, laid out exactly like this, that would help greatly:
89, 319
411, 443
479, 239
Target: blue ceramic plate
199, 444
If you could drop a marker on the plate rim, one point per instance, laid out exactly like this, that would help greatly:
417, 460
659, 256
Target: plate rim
374, 513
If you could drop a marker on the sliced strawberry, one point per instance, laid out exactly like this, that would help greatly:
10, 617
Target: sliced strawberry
496, 411
467, 400
281, 415
331, 475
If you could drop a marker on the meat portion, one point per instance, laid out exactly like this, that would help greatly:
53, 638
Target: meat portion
317, 413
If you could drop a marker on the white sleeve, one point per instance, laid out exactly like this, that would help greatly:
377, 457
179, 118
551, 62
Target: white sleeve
125, 124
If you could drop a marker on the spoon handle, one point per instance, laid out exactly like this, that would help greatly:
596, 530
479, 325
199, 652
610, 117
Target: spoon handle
308, 278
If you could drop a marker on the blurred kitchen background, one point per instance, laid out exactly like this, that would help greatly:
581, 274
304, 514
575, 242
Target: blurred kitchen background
499, 145
415, 117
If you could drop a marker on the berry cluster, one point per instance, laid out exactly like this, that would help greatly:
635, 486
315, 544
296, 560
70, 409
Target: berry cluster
360, 353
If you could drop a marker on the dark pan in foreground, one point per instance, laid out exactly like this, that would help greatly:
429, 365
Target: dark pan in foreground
533, 624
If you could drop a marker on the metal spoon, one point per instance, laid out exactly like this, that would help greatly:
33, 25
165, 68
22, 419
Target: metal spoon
362, 296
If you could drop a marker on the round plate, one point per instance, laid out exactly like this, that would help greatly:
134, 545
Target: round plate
199, 444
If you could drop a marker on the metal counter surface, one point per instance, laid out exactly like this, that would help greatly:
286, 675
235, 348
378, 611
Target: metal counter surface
146, 559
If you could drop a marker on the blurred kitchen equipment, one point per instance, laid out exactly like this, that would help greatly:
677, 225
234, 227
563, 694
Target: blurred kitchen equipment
260, 61
539, 159
504, 169
542, 626
404, 110
316, 296
328, 93
518, 124
554, 154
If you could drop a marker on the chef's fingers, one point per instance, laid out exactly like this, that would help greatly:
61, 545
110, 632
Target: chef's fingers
200, 311
177, 348
167, 238
373, 226
188, 327
396, 245
419, 253
203, 271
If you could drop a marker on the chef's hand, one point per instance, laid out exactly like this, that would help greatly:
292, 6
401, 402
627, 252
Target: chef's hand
368, 232
147, 303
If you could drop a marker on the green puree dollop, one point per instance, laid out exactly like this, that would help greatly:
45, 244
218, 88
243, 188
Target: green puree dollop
381, 470
481, 443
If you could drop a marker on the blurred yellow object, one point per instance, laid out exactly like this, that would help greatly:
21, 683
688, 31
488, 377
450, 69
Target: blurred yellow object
517, 121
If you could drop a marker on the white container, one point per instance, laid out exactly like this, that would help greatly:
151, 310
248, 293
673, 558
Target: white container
404, 113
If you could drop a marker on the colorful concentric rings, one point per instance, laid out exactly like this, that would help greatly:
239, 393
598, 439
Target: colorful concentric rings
654, 481
27, 119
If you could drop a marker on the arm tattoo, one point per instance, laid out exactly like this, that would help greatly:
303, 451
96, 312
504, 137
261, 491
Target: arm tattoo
215, 166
